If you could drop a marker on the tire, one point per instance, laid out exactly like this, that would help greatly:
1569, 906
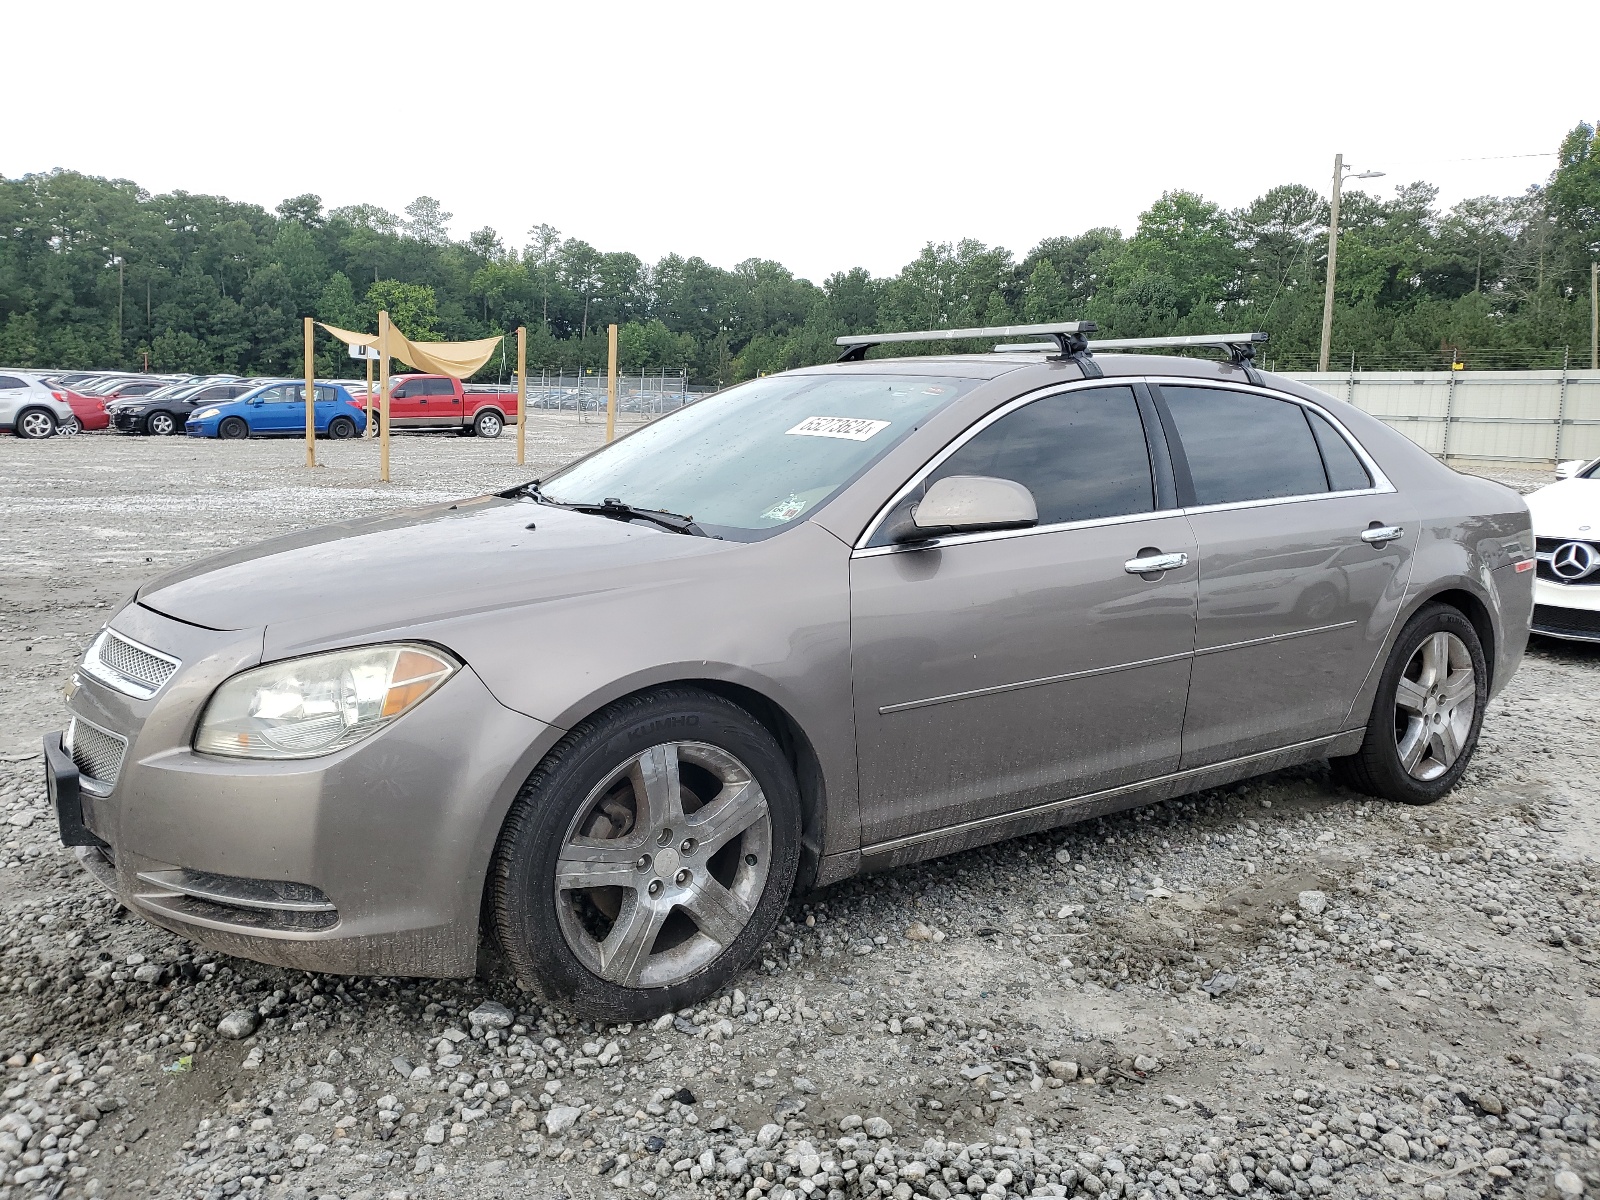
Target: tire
488, 425
35, 424
160, 424
233, 427
1422, 732
682, 921
341, 428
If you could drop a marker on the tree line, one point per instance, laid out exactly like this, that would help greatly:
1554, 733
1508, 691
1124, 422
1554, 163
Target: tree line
98, 273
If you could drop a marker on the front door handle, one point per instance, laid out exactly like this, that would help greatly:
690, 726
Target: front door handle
1155, 563
1378, 535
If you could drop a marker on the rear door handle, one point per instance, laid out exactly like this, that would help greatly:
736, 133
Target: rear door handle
1155, 563
1379, 534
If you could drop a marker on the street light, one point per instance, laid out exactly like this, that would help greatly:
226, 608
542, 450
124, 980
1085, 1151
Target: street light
1339, 176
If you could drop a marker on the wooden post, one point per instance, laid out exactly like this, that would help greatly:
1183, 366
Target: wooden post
383, 396
611, 386
370, 407
311, 396
522, 394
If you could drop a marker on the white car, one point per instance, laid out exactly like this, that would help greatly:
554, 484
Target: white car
1566, 522
30, 409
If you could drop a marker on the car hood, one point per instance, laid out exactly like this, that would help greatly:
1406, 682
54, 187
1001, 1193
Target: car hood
1570, 508
408, 568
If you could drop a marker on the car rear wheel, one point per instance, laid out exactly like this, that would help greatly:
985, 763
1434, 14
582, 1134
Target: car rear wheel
341, 427
233, 427
160, 424
1427, 714
648, 857
35, 423
488, 425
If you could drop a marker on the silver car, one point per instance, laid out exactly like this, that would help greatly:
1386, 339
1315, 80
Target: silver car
822, 623
30, 408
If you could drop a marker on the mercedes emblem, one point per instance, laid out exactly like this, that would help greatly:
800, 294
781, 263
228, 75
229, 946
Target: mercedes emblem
1573, 561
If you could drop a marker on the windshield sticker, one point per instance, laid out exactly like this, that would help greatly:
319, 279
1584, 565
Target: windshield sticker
787, 509
851, 429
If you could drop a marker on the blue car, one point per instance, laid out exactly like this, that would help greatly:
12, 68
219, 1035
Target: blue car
279, 410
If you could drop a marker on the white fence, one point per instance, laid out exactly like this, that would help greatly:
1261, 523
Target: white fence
1513, 416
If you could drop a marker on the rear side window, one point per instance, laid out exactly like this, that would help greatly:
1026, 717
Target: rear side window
437, 387
8, 382
1345, 471
1081, 453
1241, 446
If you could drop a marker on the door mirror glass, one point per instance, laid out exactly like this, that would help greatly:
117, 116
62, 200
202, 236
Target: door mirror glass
967, 504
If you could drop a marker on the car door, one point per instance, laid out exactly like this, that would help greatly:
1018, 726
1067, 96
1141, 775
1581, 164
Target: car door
277, 411
1304, 552
406, 407
444, 406
996, 671
12, 391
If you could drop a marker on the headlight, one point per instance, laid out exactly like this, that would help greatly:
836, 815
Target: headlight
207, 413
311, 706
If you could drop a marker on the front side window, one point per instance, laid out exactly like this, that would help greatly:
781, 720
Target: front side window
750, 460
1081, 453
1241, 446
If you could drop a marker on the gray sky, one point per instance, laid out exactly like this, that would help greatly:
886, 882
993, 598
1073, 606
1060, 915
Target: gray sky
824, 135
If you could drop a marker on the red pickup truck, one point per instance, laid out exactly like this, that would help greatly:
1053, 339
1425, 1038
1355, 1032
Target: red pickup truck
439, 402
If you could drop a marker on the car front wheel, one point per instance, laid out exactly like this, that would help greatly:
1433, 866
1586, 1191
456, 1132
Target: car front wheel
1427, 714
160, 424
648, 857
233, 427
35, 423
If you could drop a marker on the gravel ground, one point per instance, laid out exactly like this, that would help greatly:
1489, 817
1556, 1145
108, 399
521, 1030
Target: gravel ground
1275, 988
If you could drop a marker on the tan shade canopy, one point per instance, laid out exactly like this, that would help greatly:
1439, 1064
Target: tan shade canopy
455, 359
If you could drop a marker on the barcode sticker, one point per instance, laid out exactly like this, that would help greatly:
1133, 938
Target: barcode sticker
851, 429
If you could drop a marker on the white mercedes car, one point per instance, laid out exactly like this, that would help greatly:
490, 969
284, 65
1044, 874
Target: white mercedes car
1566, 522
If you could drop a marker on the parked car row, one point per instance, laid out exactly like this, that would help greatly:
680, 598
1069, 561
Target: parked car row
35, 405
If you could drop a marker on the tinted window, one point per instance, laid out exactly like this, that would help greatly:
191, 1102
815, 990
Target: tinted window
11, 381
438, 387
401, 391
1345, 471
1241, 446
1082, 454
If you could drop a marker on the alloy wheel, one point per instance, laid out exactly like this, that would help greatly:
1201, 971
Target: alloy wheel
162, 424
663, 865
489, 426
1434, 704
36, 424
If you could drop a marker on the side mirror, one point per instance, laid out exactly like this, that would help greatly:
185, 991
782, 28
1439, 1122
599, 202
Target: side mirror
968, 504
1570, 468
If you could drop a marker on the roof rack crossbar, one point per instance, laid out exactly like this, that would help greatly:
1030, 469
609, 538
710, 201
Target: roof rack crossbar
1068, 337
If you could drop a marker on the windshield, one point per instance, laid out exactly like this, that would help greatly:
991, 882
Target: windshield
749, 460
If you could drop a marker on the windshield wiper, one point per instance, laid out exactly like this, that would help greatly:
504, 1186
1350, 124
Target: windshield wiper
615, 509
618, 511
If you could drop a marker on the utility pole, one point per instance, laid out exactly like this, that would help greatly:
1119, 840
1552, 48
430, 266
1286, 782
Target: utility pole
119, 305
1594, 316
1333, 253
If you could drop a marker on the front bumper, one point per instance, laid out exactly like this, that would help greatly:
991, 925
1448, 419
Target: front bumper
370, 860
1568, 611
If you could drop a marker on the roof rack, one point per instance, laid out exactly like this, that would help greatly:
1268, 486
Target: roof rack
1241, 347
1068, 339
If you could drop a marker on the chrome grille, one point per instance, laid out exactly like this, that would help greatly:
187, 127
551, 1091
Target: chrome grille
127, 666
97, 753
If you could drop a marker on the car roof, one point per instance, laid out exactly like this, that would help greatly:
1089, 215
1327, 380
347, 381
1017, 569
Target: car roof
1112, 365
